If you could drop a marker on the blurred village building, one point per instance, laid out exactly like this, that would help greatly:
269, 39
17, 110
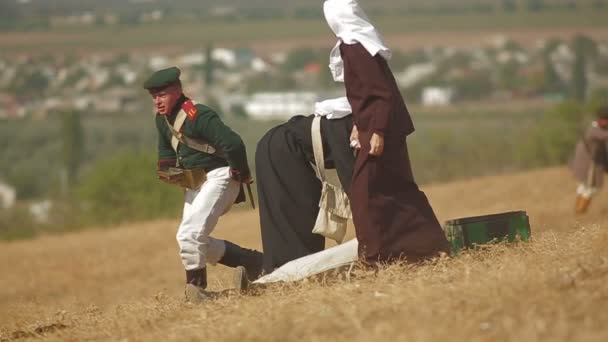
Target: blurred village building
8, 196
437, 96
288, 83
280, 105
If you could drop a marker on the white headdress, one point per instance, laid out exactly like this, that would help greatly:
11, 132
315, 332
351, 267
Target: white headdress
351, 25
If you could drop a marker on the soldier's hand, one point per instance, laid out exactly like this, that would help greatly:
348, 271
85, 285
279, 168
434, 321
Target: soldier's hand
247, 180
239, 177
170, 180
376, 145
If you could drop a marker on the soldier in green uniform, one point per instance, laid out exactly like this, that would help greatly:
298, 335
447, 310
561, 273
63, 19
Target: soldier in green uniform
198, 152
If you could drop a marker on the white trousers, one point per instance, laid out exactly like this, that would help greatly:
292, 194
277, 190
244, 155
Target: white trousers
202, 210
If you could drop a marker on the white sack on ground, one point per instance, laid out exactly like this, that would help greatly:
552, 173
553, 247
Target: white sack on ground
313, 264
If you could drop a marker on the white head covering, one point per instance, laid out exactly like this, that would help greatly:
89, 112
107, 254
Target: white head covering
351, 25
333, 108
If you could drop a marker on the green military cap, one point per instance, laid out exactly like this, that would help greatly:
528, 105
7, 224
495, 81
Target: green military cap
162, 78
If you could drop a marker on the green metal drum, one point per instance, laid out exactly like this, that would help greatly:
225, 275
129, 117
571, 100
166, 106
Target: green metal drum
479, 230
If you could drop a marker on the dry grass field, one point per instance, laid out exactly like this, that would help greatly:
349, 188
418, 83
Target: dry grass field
269, 36
40, 43
126, 283
36, 43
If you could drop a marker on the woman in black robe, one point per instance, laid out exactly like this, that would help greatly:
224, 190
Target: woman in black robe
288, 188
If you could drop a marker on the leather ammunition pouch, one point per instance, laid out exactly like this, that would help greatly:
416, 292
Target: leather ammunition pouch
186, 178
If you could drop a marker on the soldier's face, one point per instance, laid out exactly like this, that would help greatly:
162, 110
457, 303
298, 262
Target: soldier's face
165, 99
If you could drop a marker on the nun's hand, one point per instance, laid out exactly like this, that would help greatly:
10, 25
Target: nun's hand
376, 145
354, 138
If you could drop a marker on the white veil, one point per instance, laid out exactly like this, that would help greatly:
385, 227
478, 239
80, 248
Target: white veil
351, 25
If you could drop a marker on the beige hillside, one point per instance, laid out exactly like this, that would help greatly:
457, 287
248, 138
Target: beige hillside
126, 283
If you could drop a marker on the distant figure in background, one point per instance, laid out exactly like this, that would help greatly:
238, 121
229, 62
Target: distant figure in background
591, 160
393, 218
199, 153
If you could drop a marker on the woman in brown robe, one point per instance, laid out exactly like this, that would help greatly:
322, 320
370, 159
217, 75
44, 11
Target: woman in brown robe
393, 218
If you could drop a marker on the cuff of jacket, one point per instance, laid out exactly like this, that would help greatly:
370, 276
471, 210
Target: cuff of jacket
380, 124
166, 163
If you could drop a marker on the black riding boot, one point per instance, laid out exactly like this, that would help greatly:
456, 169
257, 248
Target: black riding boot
196, 283
197, 278
237, 256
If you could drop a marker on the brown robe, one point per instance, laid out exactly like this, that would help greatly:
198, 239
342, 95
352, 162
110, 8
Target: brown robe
393, 218
591, 150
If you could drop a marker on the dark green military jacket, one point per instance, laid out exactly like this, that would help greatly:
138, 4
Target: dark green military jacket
205, 124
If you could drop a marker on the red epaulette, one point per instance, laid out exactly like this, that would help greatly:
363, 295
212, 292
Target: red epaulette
190, 108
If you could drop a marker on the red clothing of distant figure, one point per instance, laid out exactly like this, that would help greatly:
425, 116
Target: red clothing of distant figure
393, 218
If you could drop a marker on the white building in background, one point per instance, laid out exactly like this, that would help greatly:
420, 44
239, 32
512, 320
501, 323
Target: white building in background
152, 16
226, 56
280, 105
158, 62
259, 65
437, 96
191, 59
41, 210
8, 196
415, 73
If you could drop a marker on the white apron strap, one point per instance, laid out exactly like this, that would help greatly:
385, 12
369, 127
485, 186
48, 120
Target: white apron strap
178, 137
317, 148
324, 175
176, 134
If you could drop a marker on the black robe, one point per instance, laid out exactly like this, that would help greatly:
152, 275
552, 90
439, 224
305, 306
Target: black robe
288, 188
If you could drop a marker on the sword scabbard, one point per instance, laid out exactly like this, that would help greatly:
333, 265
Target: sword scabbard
250, 196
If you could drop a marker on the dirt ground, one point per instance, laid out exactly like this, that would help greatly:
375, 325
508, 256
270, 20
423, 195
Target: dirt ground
126, 283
